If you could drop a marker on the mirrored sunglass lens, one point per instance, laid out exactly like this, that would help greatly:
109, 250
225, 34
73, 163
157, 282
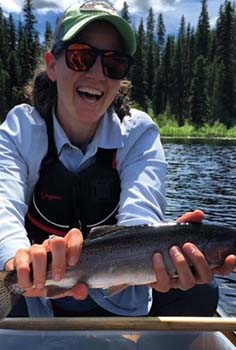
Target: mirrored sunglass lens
115, 66
80, 59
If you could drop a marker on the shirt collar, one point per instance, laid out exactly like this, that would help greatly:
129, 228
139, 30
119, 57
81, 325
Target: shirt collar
108, 134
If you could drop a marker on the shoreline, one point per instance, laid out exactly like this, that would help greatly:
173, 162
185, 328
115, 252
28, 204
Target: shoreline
198, 139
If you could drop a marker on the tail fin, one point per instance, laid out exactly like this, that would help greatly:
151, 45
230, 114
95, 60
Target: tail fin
7, 295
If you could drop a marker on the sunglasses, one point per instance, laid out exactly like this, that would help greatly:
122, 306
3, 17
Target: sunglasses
81, 57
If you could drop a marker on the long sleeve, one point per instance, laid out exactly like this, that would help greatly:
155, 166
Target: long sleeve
142, 173
19, 147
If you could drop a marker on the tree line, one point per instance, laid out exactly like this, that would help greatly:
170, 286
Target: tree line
191, 75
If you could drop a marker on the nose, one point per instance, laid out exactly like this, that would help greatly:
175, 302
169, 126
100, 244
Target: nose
96, 70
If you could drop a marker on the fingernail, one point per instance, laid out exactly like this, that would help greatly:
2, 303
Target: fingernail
57, 277
174, 251
157, 258
72, 260
189, 248
40, 285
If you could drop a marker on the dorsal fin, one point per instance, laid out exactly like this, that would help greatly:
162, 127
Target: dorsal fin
101, 231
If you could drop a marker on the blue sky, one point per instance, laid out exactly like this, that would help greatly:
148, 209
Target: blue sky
172, 10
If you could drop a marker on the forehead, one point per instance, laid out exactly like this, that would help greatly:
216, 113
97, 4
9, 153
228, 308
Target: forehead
101, 34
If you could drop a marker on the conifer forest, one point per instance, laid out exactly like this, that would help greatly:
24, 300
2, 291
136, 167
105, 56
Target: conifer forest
190, 75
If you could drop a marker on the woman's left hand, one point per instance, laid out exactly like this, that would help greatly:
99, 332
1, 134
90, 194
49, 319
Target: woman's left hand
187, 279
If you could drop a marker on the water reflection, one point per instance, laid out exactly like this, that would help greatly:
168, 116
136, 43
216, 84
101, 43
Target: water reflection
202, 176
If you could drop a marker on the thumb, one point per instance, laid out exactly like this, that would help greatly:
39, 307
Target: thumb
195, 216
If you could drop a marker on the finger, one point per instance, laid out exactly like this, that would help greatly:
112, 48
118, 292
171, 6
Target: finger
228, 266
39, 264
74, 241
80, 292
46, 243
186, 278
204, 273
57, 246
35, 292
195, 216
22, 265
162, 276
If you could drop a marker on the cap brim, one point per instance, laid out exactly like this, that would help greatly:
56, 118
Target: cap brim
119, 23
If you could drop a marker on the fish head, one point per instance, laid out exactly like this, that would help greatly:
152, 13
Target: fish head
217, 250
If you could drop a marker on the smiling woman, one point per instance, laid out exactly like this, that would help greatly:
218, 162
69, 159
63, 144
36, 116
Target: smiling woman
77, 157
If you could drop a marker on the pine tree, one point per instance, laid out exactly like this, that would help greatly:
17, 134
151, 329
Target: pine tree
23, 52
4, 91
164, 78
30, 39
178, 92
15, 92
4, 40
150, 54
160, 89
203, 31
139, 70
161, 33
217, 93
47, 36
12, 34
199, 103
188, 68
226, 55
125, 12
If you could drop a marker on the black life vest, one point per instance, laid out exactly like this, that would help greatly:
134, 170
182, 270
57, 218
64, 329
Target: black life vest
63, 200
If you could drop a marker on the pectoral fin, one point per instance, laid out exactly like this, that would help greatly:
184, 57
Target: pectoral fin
115, 290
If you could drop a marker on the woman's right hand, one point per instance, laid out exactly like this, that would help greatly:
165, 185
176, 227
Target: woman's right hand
65, 251
186, 278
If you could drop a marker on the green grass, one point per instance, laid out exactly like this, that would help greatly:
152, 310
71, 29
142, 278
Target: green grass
169, 127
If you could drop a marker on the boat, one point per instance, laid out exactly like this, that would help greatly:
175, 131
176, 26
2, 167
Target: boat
227, 300
117, 333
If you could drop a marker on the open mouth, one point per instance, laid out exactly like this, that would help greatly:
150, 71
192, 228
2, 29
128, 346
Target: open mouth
90, 94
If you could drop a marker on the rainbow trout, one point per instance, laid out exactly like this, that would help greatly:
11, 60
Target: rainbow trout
113, 256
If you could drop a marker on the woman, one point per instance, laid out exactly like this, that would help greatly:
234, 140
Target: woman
78, 132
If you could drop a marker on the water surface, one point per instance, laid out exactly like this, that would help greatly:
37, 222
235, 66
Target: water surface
203, 176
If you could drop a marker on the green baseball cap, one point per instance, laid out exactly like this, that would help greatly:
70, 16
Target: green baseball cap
77, 17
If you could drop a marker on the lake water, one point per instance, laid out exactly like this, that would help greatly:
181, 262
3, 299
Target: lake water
203, 176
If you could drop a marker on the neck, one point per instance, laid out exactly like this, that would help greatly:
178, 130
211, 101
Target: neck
79, 133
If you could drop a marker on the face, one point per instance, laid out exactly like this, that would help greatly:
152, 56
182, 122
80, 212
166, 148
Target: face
85, 96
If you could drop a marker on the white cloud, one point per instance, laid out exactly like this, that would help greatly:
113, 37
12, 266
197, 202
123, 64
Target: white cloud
15, 6
144, 6
48, 5
171, 9
11, 5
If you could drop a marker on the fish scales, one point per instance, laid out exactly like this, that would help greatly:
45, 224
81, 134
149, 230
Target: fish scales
122, 255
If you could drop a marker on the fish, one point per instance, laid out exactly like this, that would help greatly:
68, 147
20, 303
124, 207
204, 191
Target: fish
114, 257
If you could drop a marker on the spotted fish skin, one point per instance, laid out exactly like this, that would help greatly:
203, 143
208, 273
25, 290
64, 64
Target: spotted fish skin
113, 256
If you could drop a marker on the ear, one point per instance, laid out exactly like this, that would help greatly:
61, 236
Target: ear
50, 63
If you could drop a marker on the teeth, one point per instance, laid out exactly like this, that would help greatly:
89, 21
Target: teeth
90, 91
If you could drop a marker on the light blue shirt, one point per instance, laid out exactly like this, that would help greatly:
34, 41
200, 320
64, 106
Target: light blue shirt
141, 166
